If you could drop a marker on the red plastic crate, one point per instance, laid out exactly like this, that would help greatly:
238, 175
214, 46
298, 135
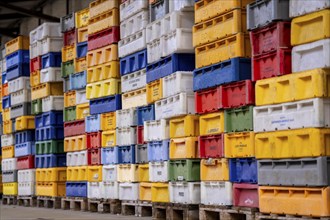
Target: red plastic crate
208, 100
140, 137
35, 64
271, 64
246, 195
74, 128
94, 156
69, 38
103, 38
26, 162
274, 36
237, 94
94, 140
211, 146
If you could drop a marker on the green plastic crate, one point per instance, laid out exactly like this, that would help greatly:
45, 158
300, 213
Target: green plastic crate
36, 107
239, 119
67, 68
184, 170
69, 114
50, 147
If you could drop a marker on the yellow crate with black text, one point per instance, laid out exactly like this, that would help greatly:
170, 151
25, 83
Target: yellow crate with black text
7, 127
211, 123
184, 126
103, 88
57, 174
108, 121
160, 192
82, 18
134, 98
80, 64
70, 98
19, 43
239, 144
82, 111
24, 123
78, 173
47, 89
145, 191
35, 78
109, 138
103, 71
186, 147
10, 189
6, 114
94, 173
68, 53
214, 169
51, 189
154, 91
75, 143
7, 152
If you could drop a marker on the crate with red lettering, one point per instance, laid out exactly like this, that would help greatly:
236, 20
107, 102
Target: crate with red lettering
26, 162
94, 139
103, 38
246, 195
208, 100
69, 37
94, 156
140, 137
74, 128
211, 146
35, 64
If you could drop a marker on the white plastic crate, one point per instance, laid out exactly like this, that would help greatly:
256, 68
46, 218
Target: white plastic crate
48, 44
185, 192
302, 114
20, 96
216, 193
153, 31
35, 50
311, 56
24, 176
177, 105
131, 7
126, 118
45, 30
158, 171
156, 130
177, 41
132, 43
78, 158
298, 7
177, 5
110, 190
177, 82
177, 19
135, 80
94, 190
134, 98
50, 74
4, 65
125, 136
128, 173
129, 191
18, 84
154, 51
7, 140
9, 164
9, 176
109, 173
66, 84
81, 97
26, 189
134, 24
50, 103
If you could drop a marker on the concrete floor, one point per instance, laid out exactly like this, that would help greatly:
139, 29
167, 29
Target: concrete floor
14, 212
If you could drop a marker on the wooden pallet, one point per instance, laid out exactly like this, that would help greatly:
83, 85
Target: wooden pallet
112, 206
27, 201
183, 212
144, 208
212, 212
129, 207
49, 202
9, 200
74, 203
267, 216
159, 211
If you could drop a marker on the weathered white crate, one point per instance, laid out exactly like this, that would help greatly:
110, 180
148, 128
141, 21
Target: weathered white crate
109, 173
78, 158
126, 136
185, 192
51, 74
3, 65
177, 41
20, 96
158, 171
94, 190
128, 173
129, 191
216, 193
3, 53
134, 98
126, 118
9, 176
302, 114
35, 50
45, 30
131, 7
153, 31
156, 130
24, 176
110, 190
299, 8
50, 103
7, 140
81, 97
135, 80
50, 44
177, 19
26, 189
311, 56
9, 164
180, 81
132, 43
178, 5
134, 24
154, 50
66, 84
176, 105
18, 84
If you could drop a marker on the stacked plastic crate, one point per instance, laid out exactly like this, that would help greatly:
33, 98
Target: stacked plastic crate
292, 113
1, 119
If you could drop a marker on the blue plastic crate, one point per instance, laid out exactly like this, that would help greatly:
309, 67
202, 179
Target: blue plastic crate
93, 123
76, 189
4, 78
0, 118
49, 133
169, 65
54, 118
133, 62
6, 102
243, 170
17, 57
77, 81
24, 136
110, 155
22, 69
50, 160
81, 49
232, 70
158, 150
145, 113
126, 154
24, 149
52, 59
103, 105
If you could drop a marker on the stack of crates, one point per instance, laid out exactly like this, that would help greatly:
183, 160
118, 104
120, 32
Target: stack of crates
46, 95
292, 114
2, 68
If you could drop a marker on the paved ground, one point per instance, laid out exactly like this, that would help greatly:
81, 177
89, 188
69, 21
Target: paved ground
25, 213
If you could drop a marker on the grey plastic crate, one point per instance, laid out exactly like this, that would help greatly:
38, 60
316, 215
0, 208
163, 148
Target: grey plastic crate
20, 110
158, 9
299, 7
13, 123
67, 22
295, 172
66, 84
262, 12
9, 176
141, 153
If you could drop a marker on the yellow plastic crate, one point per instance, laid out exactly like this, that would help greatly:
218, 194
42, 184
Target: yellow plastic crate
80, 64
24, 123
103, 71
57, 174
310, 27
134, 98
78, 173
181, 148
82, 18
237, 45
51, 189
10, 189
227, 24
82, 111
68, 53
103, 21
102, 55
35, 78
94, 173
212, 123
214, 169
143, 173
98, 7
109, 138
47, 89
303, 201
75, 143
70, 98
145, 191
160, 192
154, 91
307, 142
19, 43
6, 114
103, 88
184, 126
7, 127
108, 121
127, 172
8, 152
4, 90
82, 34
240, 144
